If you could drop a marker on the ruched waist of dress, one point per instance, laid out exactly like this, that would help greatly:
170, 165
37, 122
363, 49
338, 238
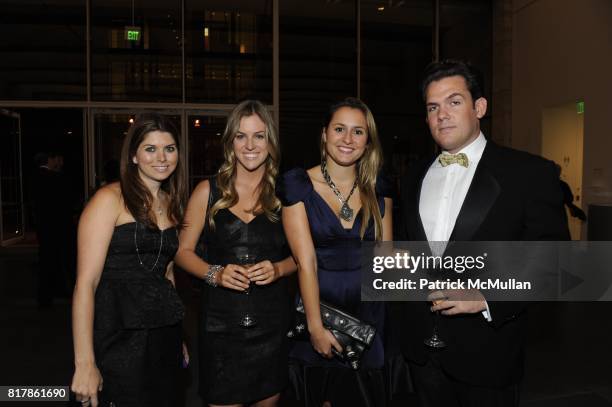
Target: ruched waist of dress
136, 303
328, 259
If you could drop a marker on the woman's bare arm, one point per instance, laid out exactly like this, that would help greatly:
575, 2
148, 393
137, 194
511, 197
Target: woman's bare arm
387, 221
232, 276
295, 222
95, 231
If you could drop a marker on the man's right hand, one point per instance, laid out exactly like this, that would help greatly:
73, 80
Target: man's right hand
455, 302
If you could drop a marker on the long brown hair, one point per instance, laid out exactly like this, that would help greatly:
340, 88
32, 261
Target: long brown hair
368, 166
267, 202
136, 196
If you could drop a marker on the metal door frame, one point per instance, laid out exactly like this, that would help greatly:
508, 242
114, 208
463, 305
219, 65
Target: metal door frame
3, 242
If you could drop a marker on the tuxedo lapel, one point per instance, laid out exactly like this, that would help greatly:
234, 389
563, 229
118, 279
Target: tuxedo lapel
417, 231
481, 196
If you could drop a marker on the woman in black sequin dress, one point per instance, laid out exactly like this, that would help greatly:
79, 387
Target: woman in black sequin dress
237, 213
126, 313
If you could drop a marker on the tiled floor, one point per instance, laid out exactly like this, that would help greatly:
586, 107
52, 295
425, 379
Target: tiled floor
568, 354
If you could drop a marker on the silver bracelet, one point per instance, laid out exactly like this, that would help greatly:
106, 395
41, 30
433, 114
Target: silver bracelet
210, 277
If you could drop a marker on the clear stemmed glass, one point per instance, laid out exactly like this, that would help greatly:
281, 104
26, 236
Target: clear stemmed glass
434, 341
246, 260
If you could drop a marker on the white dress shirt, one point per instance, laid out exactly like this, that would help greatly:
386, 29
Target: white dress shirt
444, 190
442, 194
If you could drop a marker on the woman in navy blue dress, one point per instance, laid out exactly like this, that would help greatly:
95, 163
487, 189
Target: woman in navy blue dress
328, 211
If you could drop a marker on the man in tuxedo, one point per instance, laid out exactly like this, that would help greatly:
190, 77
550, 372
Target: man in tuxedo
52, 207
474, 190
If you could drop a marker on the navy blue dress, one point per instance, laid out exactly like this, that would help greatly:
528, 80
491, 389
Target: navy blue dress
338, 252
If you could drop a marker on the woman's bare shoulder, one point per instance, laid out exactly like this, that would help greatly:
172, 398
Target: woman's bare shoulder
108, 199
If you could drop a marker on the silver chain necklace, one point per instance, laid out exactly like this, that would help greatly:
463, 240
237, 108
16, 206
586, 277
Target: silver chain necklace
161, 243
346, 212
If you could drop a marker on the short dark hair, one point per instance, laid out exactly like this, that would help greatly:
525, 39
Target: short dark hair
41, 158
443, 69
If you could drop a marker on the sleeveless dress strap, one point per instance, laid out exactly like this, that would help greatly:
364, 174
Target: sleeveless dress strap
211, 195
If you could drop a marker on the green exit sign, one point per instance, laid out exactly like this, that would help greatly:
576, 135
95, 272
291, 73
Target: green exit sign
132, 33
580, 107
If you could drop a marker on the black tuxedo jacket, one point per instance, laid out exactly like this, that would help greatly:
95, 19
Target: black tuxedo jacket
513, 196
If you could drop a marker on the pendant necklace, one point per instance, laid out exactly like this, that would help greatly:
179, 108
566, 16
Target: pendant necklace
161, 244
159, 210
346, 212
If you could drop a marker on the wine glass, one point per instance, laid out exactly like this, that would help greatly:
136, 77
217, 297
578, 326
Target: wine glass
246, 260
434, 341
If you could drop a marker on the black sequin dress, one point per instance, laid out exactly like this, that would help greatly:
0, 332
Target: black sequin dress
137, 330
237, 364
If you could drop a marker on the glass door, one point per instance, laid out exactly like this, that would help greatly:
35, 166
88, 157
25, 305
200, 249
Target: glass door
204, 132
11, 191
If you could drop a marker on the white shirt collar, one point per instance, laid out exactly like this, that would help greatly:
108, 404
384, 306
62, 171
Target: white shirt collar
473, 150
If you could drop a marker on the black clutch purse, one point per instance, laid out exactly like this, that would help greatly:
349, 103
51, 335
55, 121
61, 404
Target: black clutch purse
353, 335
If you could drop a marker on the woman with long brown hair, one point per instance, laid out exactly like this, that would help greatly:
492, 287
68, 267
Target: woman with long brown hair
126, 314
245, 303
328, 211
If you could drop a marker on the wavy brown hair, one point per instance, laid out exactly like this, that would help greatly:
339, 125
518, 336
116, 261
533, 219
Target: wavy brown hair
136, 196
368, 166
267, 202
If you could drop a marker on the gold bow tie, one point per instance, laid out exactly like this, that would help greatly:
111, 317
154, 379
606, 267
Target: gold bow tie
448, 159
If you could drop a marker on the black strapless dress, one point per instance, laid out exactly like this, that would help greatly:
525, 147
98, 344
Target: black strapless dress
242, 365
137, 330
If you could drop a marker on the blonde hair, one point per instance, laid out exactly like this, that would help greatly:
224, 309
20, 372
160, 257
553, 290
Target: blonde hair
267, 202
368, 166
